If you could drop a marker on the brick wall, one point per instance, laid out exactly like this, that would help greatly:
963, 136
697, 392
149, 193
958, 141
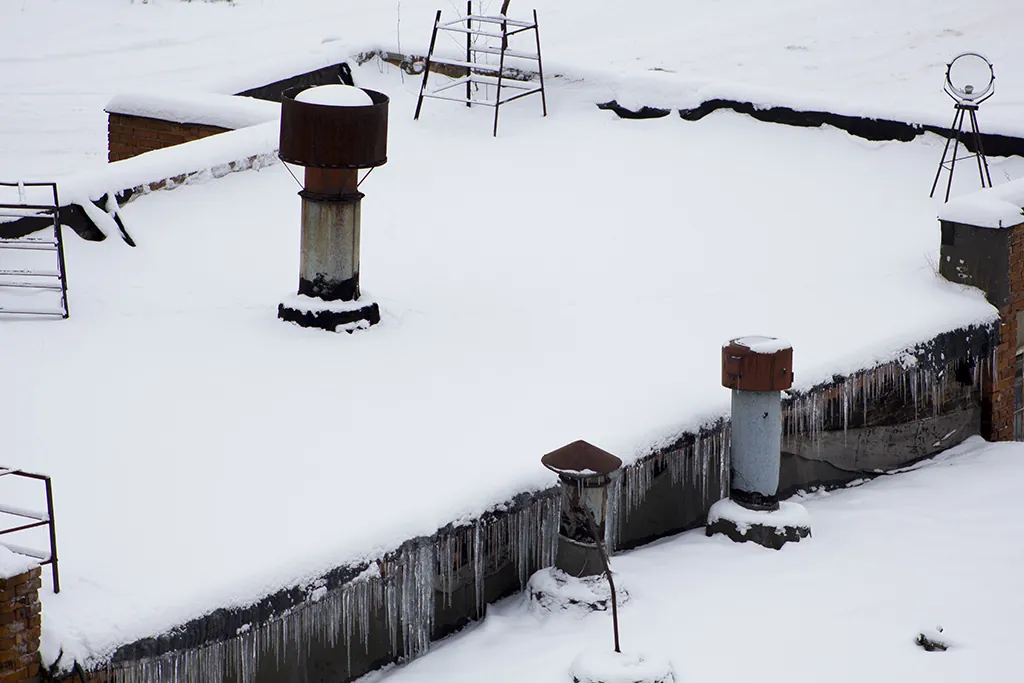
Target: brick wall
129, 136
20, 627
1006, 352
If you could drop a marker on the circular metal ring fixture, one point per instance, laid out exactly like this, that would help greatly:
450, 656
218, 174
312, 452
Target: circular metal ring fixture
970, 78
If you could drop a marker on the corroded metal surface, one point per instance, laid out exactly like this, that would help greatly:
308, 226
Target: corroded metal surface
581, 460
334, 137
746, 369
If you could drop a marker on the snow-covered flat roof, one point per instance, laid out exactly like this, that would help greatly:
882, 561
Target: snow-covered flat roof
871, 58
573, 278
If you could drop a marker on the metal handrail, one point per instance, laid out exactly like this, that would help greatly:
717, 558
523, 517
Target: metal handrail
40, 520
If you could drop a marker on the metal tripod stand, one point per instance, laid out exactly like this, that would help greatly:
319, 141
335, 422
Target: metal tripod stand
969, 111
970, 80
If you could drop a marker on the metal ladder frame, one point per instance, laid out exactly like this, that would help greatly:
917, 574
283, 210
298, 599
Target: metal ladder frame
21, 210
38, 519
475, 71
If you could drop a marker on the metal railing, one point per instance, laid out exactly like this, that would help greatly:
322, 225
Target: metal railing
39, 519
38, 279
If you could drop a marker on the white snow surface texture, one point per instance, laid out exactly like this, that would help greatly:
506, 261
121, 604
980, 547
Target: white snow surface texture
524, 307
12, 564
1000, 206
573, 278
874, 57
891, 559
225, 111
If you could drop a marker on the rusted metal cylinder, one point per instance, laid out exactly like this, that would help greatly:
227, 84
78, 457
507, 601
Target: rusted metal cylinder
334, 137
584, 472
329, 184
757, 369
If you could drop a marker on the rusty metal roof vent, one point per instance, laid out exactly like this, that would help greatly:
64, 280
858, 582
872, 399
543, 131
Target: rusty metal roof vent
328, 136
332, 130
757, 364
581, 460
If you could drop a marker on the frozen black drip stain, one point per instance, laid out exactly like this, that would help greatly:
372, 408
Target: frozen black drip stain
870, 129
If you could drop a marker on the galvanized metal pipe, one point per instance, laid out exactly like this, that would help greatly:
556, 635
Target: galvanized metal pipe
756, 446
329, 263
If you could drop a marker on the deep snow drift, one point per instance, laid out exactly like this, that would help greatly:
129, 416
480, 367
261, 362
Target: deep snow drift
889, 560
574, 278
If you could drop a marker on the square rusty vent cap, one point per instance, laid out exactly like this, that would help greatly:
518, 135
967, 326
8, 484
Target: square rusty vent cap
757, 363
581, 460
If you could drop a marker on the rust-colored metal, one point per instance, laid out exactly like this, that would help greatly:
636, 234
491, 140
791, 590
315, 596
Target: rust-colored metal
745, 369
581, 460
330, 183
322, 136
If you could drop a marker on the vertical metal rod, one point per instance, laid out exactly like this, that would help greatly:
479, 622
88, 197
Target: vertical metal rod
945, 150
58, 235
53, 536
469, 53
501, 71
956, 148
426, 66
596, 533
982, 159
540, 65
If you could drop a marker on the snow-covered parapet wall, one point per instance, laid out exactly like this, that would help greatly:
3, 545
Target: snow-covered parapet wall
97, 190
224, 111
995, 207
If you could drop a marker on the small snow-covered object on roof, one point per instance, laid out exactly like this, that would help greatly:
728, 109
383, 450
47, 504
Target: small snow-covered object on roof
769, 528
552, 590
606, 666
788, 514
335, 95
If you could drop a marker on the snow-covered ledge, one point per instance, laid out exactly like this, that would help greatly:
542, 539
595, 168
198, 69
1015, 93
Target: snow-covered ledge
995, 207
211, 109
100, 191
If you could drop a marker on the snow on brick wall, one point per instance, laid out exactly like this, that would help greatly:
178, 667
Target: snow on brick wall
142, 122
129, 136
1006, 352
20, 626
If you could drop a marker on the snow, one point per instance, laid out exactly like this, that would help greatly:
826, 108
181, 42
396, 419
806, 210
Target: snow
196, 161
1001, 206
526, 292
891, 559
608, 666
12, 564
225, 111
873, 58
335, 96
766, 345
544, 320
789, 514
308, 304
553, 590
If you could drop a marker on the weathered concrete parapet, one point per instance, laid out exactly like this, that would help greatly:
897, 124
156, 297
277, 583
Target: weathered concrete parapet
584, 472
757, 369
20, 618
982, 245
